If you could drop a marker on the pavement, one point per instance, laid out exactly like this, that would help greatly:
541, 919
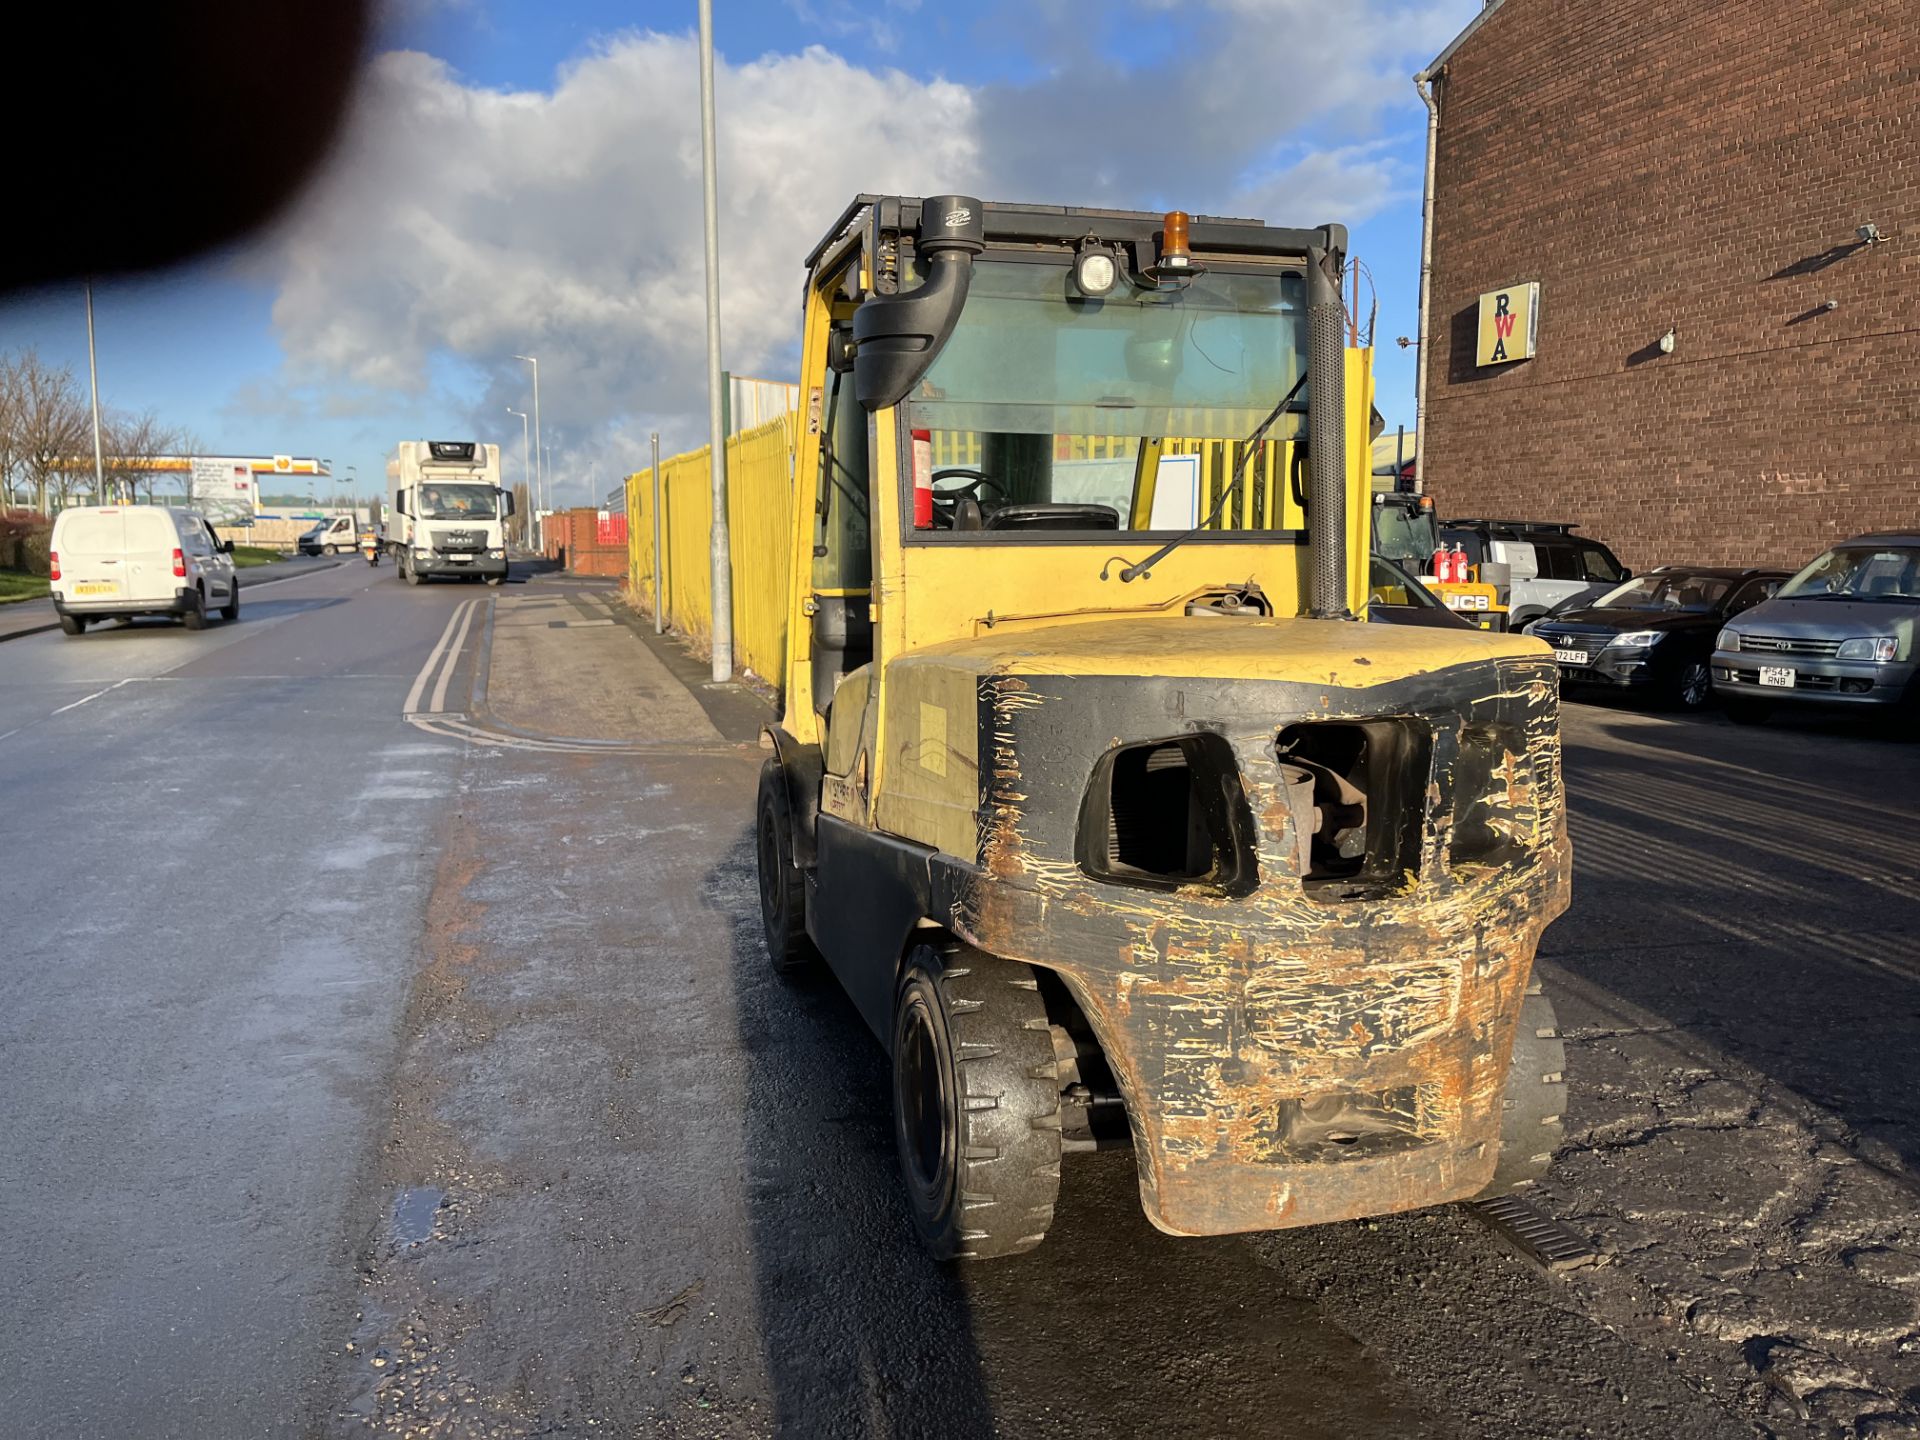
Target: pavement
388, 1048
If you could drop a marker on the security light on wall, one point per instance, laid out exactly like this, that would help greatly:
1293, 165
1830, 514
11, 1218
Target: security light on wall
1668, 340
1869, 234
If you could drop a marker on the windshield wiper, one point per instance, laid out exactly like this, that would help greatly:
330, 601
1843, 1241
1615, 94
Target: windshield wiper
1252, 443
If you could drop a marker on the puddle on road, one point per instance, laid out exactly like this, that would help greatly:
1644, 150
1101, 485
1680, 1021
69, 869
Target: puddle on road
414, 1210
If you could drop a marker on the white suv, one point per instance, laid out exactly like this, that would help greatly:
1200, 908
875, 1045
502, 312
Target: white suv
113, 562
1550, 566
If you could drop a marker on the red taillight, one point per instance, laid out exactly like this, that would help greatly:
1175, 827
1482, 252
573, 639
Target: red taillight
179, 566
53, 564
923, 479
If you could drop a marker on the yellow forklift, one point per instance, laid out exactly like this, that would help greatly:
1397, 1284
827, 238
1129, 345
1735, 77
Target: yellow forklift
1089, 789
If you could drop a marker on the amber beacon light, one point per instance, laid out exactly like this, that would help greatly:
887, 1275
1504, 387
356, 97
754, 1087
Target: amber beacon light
1176, 257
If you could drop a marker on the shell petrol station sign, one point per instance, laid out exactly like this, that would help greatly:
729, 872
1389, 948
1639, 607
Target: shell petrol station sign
1509, 321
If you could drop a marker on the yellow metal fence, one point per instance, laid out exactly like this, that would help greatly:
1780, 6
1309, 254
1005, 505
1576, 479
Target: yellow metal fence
759, 517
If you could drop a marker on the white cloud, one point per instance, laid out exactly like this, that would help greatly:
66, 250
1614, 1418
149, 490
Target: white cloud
478, 223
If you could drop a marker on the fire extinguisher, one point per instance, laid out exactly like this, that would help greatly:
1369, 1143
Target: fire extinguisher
1462, 572
1442, 565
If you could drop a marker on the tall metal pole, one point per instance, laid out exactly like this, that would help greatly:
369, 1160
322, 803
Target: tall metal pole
540, 498
526, 523
93, 379
722, 559
659, 557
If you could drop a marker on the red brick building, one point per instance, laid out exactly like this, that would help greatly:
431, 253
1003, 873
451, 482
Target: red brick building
1701, 168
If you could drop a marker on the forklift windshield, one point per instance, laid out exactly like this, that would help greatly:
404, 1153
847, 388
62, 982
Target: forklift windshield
1049, 410
1405, 534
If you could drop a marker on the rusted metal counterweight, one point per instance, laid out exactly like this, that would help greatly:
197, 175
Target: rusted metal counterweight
1301, 1052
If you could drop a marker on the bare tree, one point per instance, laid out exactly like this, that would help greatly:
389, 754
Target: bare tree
133, 444
50, 426
10, 477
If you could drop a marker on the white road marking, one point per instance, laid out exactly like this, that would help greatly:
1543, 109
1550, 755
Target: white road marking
433, 659
453, 659
85, 698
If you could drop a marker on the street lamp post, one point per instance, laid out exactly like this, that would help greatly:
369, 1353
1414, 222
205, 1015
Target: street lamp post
526, 525
93, 380
722, 559
540, 496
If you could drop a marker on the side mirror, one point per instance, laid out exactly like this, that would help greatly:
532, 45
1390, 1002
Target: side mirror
506, 503
226, 547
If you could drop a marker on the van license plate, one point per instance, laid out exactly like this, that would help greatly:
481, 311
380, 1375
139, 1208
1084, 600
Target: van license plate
1780, 676
97, 587
1571, 657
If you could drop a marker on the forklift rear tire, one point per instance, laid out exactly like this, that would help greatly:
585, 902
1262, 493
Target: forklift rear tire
976, 1103
1533, 1110
783, 890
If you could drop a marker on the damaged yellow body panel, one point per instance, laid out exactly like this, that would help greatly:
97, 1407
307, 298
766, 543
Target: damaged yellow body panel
1302, 1051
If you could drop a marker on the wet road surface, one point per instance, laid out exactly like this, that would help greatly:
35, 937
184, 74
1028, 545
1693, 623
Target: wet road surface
217, 849
493, 1120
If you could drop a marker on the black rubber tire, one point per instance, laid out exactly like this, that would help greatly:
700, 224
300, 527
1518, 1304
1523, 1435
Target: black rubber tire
783, 890
195, 616
231, 610
73, 625
1693, 686
496, 580
407, 572
1747, 712
1534, 1107
976, 1103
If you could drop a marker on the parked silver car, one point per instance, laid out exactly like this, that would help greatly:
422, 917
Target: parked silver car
1841, 632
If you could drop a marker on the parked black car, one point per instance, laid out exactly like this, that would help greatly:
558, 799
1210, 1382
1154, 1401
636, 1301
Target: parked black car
1655, 632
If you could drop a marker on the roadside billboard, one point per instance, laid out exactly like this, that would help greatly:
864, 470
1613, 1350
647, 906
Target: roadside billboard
223, 490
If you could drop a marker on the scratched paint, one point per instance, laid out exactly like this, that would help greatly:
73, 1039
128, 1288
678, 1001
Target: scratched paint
1286, 1059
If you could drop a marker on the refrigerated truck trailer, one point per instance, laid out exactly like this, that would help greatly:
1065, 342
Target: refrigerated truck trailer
447, 512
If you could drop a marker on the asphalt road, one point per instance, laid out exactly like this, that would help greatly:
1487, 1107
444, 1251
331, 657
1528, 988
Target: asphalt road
365, 1076
218, 846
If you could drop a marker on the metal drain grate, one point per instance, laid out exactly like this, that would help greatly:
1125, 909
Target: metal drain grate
1535, 1234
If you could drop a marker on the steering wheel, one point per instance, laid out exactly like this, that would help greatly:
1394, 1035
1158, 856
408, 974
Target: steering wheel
971, 488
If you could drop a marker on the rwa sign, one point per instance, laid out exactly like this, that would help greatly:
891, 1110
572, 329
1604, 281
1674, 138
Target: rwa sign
1509, 319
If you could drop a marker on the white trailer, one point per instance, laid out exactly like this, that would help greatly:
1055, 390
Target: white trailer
447, 513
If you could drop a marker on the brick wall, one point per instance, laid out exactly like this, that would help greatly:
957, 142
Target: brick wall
1700, 165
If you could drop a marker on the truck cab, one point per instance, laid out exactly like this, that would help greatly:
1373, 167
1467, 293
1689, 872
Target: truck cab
1089, 789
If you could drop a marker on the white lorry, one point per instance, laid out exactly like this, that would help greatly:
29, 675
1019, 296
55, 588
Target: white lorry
446, 511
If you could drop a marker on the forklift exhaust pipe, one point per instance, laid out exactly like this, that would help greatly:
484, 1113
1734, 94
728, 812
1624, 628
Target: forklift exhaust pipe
898, 337
1327, 427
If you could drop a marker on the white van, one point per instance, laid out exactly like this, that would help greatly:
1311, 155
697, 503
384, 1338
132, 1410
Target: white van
113, 562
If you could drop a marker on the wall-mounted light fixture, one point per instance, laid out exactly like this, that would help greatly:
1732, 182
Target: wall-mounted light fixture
1668, 340
1829, 304
1869, 234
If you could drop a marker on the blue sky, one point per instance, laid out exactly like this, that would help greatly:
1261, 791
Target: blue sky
524, 176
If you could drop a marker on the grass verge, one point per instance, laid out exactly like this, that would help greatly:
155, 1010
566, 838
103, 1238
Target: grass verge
246, 555
15, 585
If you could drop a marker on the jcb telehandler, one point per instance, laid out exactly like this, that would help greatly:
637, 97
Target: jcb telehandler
1113, 822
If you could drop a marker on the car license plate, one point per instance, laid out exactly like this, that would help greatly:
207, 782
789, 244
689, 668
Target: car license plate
1571, 657
97, 587
1777, 675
